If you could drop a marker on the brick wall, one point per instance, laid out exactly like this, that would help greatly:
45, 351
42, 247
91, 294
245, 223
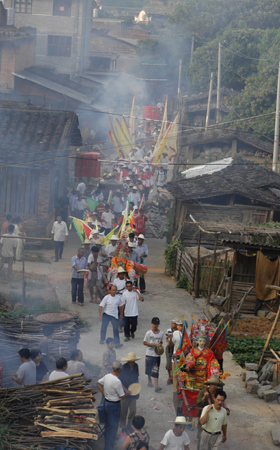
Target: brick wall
99, 43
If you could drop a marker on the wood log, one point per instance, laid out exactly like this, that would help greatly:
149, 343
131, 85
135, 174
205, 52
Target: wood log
69, 433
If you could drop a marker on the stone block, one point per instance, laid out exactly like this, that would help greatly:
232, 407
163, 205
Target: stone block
277, 389
265, 372
271, 316
252, 366
275, 434
261, 313
262, 389
252, 387
251, 375
243, 375
270, 395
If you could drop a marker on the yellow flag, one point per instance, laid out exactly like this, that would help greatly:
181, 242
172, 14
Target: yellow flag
158, 152
171, 143
122, 228
115, 140
107, 238
125, 131
163, 126
124, 143
132, 124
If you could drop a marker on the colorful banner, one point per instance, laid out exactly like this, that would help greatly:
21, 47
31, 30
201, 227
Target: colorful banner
107, 238
171, 143
83, 230
132, 124
91, 204
158, 152
115, 139
124, 128
164, 126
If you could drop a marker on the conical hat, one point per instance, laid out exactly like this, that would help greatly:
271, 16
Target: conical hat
134, 388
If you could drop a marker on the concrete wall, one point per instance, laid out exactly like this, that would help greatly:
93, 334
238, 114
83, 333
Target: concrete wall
78, 26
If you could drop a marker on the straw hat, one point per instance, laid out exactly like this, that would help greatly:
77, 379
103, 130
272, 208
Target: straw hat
83, 271
214, 380
159, 350
121, 270
134, 388
135, 187
126, 179
180, 420
98, 242
114, 238
131, 245
174, 321
87, 242
130, 357
141, 236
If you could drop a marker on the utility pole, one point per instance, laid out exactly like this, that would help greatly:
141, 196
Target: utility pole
179, 79
192, 48
276, 132
218, 85
209, 101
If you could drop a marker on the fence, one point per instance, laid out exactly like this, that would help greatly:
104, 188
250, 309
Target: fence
186, 265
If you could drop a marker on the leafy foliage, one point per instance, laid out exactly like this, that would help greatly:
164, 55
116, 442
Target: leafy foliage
170, 256
184, 283
249, 349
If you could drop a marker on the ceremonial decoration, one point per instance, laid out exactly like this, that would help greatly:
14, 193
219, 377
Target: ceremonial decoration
83, 230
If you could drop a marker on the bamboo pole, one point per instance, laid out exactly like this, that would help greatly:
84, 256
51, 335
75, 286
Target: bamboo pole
212, 268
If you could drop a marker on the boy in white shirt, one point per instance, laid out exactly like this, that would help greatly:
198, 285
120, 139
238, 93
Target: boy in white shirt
153, 339
176, 438
129, 300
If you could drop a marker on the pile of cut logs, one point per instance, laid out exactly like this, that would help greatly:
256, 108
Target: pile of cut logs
19, 330
53, 413
156, 209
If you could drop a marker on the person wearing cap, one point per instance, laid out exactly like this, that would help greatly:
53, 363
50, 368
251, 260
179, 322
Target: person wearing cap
140, 221
118, 204
87, 248
176, 338
205, 398
109, 310
107, 219
214, 423
111, 388
176, 438
100, 208
96, 273
134, 196
142, 250
153, 339
112, 247
169, 349
120, 281
129, 375
132, 255
130, 299
94, 235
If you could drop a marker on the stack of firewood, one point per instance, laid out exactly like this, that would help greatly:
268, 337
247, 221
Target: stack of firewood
156, 210
51, 413
19, 330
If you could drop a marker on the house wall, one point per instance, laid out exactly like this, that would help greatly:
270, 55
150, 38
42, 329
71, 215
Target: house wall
78, 26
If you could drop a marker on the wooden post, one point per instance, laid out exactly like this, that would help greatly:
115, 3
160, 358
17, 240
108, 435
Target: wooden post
270, 333
192, 49
209, 102
197, 281
212, 269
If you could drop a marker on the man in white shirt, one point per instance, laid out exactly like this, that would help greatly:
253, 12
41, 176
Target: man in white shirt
109, 309
134, 196
81, 188
142, 250
118, 204
161, 178
61, 366
111, 388
107, 219
153, 339
130, 306
214, 423
8, 247
112, 247
80, 206
177, 438
59, 235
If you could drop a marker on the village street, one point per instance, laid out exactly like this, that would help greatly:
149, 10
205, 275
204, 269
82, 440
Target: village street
250, 419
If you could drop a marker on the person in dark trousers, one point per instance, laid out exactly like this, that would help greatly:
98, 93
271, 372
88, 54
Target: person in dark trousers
129, 375
130, 299
109, 309
111, 388
78, 262
59, 235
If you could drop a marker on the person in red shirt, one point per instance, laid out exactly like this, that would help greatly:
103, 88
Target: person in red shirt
100, 208
140, 222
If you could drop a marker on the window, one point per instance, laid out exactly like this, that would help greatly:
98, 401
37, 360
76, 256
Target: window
62, 7
19, 191
59, 45
23, 6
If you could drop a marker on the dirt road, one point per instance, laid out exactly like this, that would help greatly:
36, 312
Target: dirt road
250, 419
